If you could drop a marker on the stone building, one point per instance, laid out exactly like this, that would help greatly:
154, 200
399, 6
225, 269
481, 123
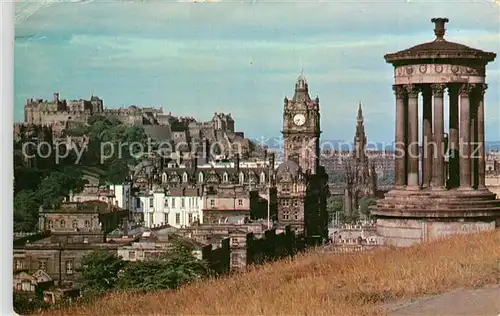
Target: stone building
361, 177
302, 184
47, 112
88, 217
440, 200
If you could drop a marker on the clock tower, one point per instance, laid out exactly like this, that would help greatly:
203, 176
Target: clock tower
301, 128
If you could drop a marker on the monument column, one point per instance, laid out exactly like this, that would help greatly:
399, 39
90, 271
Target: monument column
400, 163
427, 149
465, 161
453, 165
438, 174
480, 137
413, 145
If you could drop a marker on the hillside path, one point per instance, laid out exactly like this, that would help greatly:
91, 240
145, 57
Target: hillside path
464, 302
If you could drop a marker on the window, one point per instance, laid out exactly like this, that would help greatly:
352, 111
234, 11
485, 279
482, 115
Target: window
69, 267
173, 202
51, 224
296, 215
85, 240
235, 242
242, 177
225, 177
26, 286
87, 223
200, 177
177, 218
295, 203
184, 177
62, 223
166, 202
235, 262
183, 203
19, 264
286, 215
19, 286
240, 202
42, 264
131, 255
262, 177
165, 218
212, 203
151, 202
190, 218
75, 224
285, 203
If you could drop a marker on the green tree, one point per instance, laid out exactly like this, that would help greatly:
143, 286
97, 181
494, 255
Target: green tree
334, 204
99, 272
26, 204
178, 266
364, 205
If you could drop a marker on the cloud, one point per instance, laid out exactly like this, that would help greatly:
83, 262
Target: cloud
243, 58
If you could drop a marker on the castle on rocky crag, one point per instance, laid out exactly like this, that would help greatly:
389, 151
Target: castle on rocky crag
60, 114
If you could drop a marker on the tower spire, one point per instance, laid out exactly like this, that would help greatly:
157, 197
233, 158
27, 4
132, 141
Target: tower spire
360, 112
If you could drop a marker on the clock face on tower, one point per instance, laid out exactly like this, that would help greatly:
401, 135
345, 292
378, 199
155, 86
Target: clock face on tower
299, 119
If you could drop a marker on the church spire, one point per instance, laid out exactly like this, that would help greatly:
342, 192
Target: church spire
360, 137
360, 113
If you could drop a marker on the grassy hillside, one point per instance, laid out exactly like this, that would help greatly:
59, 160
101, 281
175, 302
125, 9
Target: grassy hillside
319, 283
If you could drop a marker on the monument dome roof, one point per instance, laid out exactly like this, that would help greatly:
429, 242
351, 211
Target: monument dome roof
439, 49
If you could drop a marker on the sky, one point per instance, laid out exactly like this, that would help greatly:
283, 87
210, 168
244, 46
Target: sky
241, 57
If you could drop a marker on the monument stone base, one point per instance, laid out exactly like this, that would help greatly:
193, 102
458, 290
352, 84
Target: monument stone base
406, 217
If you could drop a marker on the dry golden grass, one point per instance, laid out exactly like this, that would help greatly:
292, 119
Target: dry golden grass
319, 283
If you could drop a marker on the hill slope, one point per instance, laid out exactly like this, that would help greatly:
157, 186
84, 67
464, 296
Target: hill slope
319, 283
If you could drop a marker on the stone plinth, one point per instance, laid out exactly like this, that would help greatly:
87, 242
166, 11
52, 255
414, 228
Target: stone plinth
408, 217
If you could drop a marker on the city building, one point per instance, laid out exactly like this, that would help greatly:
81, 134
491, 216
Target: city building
301, 182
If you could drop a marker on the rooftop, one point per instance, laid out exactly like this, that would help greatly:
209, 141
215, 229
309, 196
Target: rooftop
440, 48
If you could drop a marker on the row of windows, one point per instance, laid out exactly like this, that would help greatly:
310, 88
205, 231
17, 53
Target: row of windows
193, 202
62, 224
42, 265
287, 203
225, 177
286, 215
240, 202
177, 218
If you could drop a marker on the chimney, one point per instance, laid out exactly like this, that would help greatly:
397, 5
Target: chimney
56, 97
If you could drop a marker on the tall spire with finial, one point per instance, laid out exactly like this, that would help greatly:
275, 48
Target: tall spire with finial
360, 113
360, 137
439, 28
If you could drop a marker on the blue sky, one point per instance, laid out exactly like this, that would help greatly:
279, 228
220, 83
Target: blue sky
240, 57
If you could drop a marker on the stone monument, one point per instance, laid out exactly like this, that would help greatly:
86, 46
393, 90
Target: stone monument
448, 195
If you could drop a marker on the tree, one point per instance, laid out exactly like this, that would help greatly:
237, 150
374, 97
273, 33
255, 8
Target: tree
334, 205
364, 205
26, 205
178, 266
99, 272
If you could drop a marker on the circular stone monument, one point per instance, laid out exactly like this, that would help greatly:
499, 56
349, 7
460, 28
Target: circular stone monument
447, 194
